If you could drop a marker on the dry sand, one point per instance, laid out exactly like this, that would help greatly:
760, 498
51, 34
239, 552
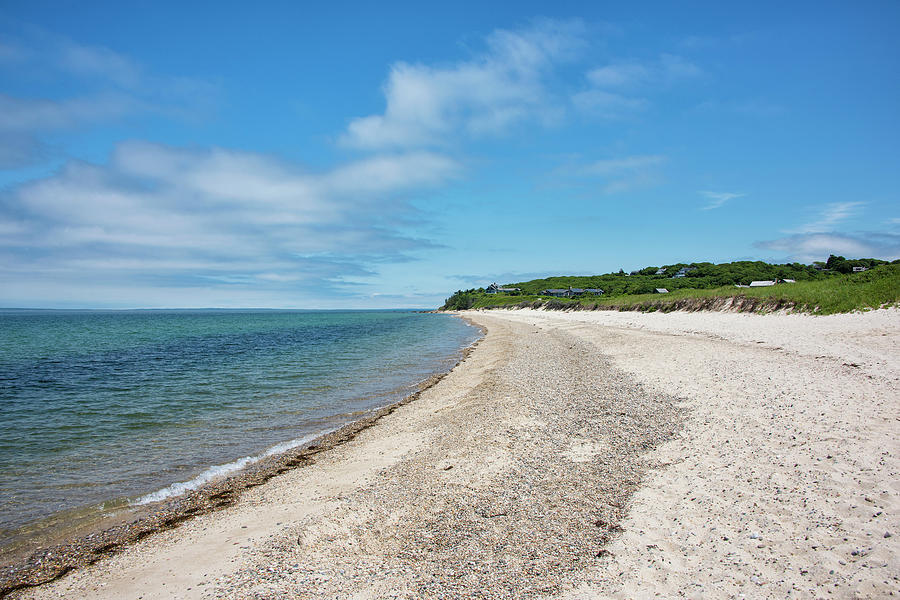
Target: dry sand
582, 455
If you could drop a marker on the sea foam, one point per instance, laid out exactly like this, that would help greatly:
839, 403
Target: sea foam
176, 489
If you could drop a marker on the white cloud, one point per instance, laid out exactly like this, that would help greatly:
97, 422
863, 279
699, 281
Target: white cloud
619, 75
180, 216
99, 62
809, 247
621, 174
717, 199
616, 166
608, 105
485, 95
37, 114
111, 85
620, 89
829, 216
676, 68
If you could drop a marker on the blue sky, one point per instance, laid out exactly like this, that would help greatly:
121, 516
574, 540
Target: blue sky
157, 154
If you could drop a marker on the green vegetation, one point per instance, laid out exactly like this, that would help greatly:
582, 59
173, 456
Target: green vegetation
823, 288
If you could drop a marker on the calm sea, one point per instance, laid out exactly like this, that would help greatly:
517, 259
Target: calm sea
114, 408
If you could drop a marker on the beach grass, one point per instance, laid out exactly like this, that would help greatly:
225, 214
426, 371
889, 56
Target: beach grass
876, 288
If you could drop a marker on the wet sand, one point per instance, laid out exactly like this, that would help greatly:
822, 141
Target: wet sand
580, 455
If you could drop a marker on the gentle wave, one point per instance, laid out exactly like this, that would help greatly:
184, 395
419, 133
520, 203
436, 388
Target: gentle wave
114, 405
176, 489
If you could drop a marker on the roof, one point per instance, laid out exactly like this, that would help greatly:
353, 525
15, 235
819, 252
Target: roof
761, 283
662, 291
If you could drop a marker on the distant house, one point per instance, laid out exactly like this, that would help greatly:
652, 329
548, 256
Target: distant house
761, 283
661, 271
496, 289
557, 293
662, 291
683, 271
571, 292
860, 269
789, 281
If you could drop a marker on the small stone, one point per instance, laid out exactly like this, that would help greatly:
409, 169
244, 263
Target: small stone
887, 534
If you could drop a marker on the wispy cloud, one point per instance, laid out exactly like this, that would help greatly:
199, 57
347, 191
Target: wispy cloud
718, 199
829, 216
608, 105
215, 218
621, 75
808, 247
619, 174
755, 107
621, 89
484, 95
112, 86
628, 164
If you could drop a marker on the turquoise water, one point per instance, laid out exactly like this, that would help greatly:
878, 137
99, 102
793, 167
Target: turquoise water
101, 406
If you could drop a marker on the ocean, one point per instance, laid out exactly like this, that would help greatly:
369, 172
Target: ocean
107, 409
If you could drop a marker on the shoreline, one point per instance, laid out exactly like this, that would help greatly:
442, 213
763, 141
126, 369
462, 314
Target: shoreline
580, 456
85, 544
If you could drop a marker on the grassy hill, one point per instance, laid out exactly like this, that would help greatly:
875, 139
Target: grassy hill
706, 286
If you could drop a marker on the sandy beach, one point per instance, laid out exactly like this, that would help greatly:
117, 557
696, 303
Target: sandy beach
581, 455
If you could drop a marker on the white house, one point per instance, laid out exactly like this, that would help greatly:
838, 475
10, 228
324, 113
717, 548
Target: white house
496, 289
761, 283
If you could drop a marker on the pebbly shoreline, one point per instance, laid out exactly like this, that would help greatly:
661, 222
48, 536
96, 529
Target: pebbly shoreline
45, 565
576, 456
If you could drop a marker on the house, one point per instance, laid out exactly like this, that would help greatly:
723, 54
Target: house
761, 283
661, 271
496, 289
860, 269
571, 292
662, 291
683, 271
556, 293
